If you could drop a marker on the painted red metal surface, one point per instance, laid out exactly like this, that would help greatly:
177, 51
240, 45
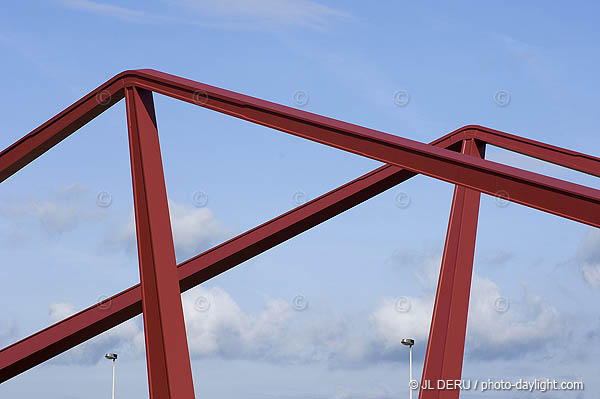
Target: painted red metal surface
551, 195
405, 158
167, 355
97, 319
445, 346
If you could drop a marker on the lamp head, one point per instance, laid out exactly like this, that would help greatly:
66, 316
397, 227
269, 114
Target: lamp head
111, 356
408, 341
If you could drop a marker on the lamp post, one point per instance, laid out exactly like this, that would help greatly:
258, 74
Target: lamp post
409, 342
113, 357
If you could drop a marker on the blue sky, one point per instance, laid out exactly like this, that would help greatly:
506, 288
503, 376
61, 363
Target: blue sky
317, 316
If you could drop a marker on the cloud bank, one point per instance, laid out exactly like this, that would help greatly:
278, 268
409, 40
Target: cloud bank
282, 333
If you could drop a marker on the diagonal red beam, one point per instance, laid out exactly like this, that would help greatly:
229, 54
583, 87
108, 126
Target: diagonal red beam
59, 127
68, 121
551, 195
46, 136
540, 192
88, 323
180, 88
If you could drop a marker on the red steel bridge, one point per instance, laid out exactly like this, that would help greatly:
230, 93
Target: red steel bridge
457, 158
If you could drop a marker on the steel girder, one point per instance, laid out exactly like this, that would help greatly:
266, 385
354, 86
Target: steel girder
167, 354
446, 343
405, 158
127, 304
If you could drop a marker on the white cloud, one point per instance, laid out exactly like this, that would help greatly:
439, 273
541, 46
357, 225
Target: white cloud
74, 207
591, 273
497, 327
194, 230
57, 212
391, 325
8, 332
110, 10
217, 326
588, 258
124, 236
226, 13
126, 339
304, 13
60, 310
508, 328
279, 333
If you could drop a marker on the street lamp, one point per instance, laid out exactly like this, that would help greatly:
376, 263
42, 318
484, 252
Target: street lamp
113, 357
409, 342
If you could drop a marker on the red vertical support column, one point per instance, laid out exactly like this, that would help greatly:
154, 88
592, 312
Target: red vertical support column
446, 344
169, 370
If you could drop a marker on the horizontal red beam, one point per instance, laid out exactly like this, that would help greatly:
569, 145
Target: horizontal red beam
542, 151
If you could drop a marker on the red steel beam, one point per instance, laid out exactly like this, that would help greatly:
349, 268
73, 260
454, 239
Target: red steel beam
446, 343
68, 121
542, 151
88, 323
547, 194
550, 195
167, 355
46, 136
49, 342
